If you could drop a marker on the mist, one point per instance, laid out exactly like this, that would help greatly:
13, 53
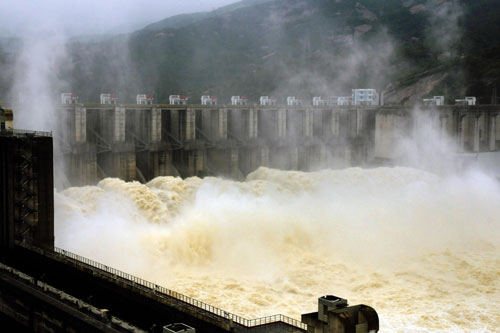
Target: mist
417, 241
91, 17
44, 65
36, 81
405, 241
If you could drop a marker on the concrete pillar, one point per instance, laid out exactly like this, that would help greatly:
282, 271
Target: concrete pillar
207, 120
91, 168
476, 133
158, 168
443, 126
493, 132
264, 156
389, 130
80, 124
497, 126
190, 125
234, 164
119, 124
308, 123
163, 164
335, 123
319, 123
175, 124
233, 158
347, 156
82, 166
124, 165
294, 158
359, 121
227, 162
322, 156
312, 157
462, 119
253, 122
131, 167
200, 161
281, 120
191, 163
155, 125
222, 124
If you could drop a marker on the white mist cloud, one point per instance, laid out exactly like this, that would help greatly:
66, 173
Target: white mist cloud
403, 240
44, 27
444, 26
81, 17
36, 82
427, 144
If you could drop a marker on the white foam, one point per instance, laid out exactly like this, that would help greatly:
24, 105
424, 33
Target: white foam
422, 250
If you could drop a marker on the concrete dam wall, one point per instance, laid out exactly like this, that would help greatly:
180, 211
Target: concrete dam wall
141, 142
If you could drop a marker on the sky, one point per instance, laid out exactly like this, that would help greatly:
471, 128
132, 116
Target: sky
88, 17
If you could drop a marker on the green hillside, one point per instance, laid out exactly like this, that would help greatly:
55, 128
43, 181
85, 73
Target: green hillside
410, 48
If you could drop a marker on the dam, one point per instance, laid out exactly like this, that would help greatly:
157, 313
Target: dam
141, 142
292, 235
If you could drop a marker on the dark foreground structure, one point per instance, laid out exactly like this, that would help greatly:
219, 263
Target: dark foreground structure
27, 189
47, 289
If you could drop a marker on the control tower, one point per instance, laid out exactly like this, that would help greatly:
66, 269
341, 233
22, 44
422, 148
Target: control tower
26, 189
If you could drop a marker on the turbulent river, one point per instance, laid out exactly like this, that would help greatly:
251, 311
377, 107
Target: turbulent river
423, 250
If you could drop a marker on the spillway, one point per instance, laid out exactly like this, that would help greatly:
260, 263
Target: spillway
420, 248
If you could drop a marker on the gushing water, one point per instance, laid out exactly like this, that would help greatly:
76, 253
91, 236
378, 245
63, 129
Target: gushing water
422, 250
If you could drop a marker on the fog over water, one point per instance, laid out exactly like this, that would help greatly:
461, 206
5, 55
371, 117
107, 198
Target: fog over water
421, 249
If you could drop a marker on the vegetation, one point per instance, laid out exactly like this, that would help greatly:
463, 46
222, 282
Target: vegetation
298, 47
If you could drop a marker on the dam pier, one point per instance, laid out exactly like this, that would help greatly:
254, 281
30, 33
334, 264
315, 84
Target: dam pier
143, 141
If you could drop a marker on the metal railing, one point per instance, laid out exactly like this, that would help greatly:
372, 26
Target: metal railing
21, 132
201, 106
186, 299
